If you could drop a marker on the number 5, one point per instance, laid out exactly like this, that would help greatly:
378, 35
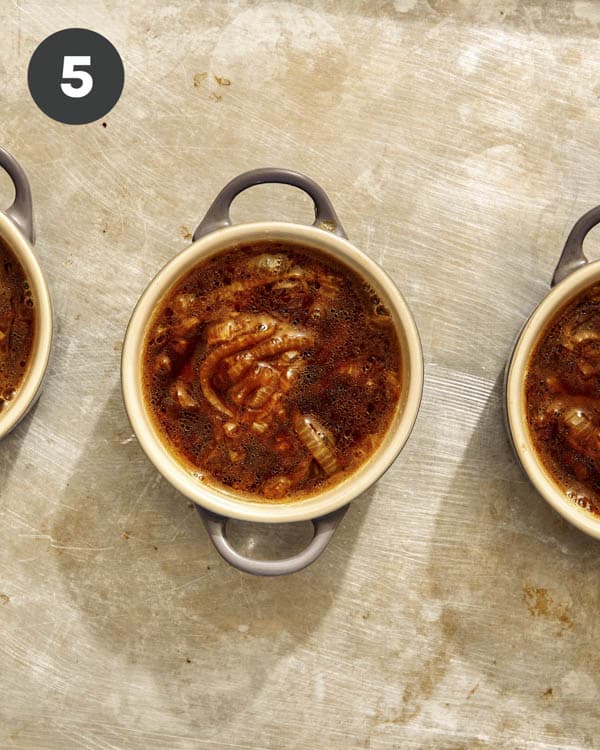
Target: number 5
87, 82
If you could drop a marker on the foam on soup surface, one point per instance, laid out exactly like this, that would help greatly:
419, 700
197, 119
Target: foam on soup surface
562, 392
273, 370
17, 324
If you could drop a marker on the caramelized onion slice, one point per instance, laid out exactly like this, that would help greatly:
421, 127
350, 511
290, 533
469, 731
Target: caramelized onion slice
183, 396
587, 368
162, 364
272, 263
283, 341
579, 332
318, 440
262, 377
578, 420
354, 368
237, 366
261, 395
583, 435
225, 330
230, 429
183, 303
210, 364
277, 487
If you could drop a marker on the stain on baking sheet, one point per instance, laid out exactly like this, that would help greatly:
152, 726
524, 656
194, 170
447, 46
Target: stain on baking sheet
418, 685
472, 691
434, 669
541, 603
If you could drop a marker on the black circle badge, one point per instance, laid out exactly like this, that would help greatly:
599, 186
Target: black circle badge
75, 76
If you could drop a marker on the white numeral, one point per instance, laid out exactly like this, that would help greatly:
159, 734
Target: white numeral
87, 82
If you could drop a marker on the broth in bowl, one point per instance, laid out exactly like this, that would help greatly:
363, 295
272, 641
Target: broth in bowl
562, 393
17, 325
273, 370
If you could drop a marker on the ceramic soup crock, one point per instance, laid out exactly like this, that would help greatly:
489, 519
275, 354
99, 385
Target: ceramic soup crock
572, 276
216, 234
17, 231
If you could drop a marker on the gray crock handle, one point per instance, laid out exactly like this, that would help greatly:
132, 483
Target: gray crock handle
324, 528
572, 256
217, 216
21, 210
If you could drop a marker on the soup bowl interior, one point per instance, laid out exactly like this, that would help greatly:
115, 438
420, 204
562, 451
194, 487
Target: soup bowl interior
227, 502
516, 406
33, 377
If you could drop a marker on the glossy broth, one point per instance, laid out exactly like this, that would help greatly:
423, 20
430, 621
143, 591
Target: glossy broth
17, 324
273, 370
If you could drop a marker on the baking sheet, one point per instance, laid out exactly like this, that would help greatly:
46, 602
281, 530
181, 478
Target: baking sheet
454, 609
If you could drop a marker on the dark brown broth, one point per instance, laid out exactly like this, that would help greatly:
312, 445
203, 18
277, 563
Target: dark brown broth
273, 370
17, 324
562, 392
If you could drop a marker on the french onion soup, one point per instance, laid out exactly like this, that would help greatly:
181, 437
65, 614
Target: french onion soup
562, 393
272, 369
17, 324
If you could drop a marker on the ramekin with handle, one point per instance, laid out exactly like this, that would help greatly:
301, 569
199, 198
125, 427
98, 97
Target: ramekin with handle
17, 231
216, 234
572, 276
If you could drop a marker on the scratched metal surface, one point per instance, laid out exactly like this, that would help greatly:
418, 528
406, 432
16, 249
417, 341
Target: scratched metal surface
454, 609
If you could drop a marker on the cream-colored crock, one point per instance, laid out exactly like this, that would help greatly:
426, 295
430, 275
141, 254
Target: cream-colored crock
16, 229
573, 274
214, 235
